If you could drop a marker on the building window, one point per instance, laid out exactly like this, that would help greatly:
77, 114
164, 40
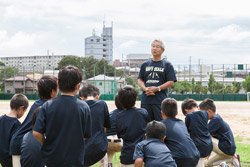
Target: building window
100, 84
91, 40
97, 40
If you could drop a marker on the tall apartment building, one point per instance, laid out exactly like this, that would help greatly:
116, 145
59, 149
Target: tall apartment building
37, 63
100, 47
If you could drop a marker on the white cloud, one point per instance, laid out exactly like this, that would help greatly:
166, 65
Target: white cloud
230, 33
128, 44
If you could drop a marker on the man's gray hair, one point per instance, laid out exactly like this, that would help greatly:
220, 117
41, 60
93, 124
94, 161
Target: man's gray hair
163, 46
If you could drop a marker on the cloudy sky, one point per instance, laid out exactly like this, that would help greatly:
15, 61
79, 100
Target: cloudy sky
212, 31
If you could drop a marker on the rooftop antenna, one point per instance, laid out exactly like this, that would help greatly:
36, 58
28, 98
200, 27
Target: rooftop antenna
94, 32
104, 21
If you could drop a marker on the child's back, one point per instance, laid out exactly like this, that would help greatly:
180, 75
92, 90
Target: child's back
8, 125
220, 130
130, 123
196, 123
98, 141
66, 121
100, 120
131, 127
152, 150
30, 147
179, 142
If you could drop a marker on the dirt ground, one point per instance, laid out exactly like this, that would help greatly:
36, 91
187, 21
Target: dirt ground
236, 114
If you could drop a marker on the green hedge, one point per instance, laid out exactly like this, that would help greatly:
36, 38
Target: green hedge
179, 97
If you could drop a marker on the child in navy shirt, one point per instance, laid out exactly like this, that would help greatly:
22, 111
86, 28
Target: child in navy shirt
223, 140
65, 121
97, 145
9, 124
30, 147
47, 89
114, 143
153, 151
177, 138
130, 124
196, 122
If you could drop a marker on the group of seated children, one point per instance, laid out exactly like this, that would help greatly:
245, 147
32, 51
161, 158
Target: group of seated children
69, 132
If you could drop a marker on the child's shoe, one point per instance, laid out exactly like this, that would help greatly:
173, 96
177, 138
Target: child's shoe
223, 164
236, 160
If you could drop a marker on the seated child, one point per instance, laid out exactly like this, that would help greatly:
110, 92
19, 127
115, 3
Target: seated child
47, 89
223, 140
66, 121
196, 122
177, 138
130, 124
114, 143
30, 147
153, 151
97, 145
9, 124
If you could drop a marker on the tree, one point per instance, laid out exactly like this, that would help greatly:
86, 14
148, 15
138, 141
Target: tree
131, 81
211, 84
204, 90
5, 73
229, 89
177, 87
2, 64
192, 85
198, 87
70, 60
218, 88
8, 72
236, 86
246, 84
185, 87
89, 64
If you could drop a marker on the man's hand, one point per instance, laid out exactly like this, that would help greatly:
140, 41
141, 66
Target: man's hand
150, 91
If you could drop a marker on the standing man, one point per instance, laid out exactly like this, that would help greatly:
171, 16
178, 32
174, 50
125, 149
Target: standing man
155, 77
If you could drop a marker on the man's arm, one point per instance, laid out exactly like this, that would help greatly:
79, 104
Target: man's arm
39, 136
142, 85
164, 86
144, 88
139, 162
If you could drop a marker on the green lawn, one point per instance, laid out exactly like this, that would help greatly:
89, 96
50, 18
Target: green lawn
243, 150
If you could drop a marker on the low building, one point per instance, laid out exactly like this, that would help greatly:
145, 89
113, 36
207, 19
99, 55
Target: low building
106, 84
20, 84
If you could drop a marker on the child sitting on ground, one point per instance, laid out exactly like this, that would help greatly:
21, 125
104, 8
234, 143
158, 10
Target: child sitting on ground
97, 145
130, 124
65, 121
47, 89
223, 140
177, 138
30, 147
153, 151
196, 122
114, 143
9, 124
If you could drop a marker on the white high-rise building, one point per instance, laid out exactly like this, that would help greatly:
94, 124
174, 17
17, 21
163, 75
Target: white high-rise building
100, 47
37, 63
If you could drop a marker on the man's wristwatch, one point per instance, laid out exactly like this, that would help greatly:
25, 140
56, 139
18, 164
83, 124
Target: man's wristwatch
159, 89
